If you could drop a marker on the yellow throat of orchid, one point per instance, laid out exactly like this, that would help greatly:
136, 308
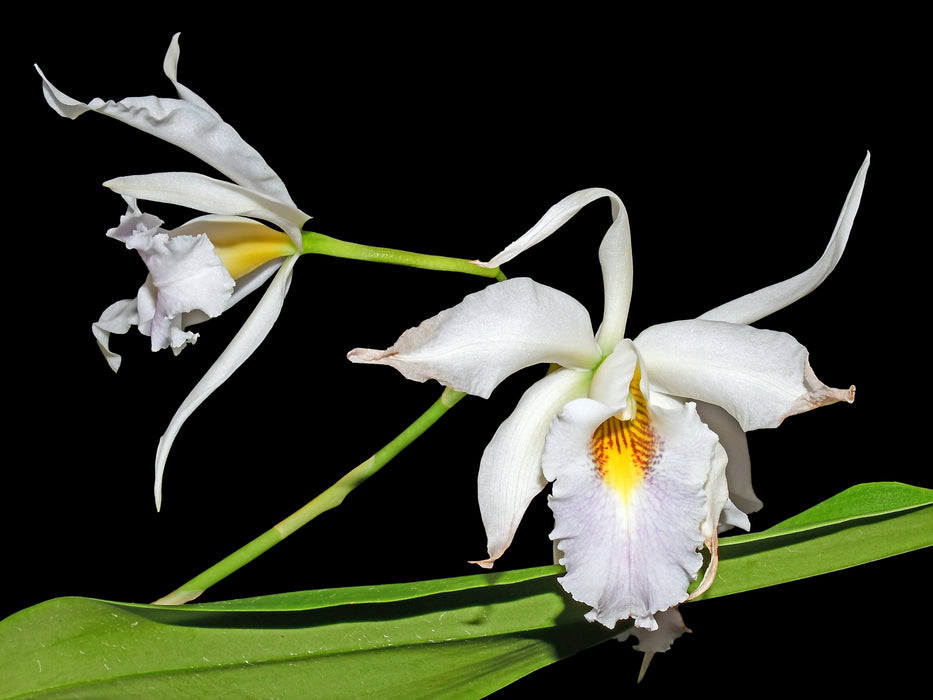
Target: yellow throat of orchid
625, 450
245, 248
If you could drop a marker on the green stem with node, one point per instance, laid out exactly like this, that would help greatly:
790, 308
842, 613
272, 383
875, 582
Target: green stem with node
326, 500
320, 244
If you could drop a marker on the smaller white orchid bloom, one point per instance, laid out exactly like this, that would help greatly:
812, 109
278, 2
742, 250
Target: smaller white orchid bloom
634, 434
201, 268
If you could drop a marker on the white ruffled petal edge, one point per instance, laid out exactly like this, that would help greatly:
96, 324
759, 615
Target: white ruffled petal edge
632, 556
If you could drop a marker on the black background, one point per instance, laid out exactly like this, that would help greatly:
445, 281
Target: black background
732, 141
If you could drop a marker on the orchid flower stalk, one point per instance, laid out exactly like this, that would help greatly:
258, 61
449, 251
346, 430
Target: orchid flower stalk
328, 499
251, 231
643, 439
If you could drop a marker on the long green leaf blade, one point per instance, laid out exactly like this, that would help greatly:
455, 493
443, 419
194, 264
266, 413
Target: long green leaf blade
860, 525
461, 637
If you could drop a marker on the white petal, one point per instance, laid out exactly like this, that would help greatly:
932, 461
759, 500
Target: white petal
757, 305
553, 219
510, 471
760, 377
244, 343
117, 318
630, 554
615, 259
187, 274
613, 377
739, 469
492, 333
170, 67
213, 196
185, 277
615, 256
187, 124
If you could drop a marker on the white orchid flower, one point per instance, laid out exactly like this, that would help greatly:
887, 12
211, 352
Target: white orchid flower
634, 434
201, 268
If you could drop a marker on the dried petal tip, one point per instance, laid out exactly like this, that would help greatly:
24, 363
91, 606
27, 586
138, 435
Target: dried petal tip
670, 627
363, 355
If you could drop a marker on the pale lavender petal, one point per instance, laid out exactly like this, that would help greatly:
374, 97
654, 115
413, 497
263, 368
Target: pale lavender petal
630, 553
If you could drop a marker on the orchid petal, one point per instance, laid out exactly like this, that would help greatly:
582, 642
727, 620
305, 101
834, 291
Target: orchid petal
738, 470
197, 191
615, 256
612, 379
243, 245
188, 275
244, 343
185, 276
170, 68
492, 333
510, 470
188, 124
755, 306
630, 549
615, 259
553, 219
119, 317
760, 377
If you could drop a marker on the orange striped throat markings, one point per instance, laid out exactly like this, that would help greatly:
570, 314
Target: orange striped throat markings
624, 451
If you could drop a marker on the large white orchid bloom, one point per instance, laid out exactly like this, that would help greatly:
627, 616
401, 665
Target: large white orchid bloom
200, 269
634, 434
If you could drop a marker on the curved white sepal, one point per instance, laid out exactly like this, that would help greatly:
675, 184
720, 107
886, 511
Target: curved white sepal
510, 471
244, 343
492, 333
760, 377
207, 194
756, 305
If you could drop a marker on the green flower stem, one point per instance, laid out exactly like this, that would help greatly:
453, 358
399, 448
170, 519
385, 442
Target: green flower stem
325, 245
330, 498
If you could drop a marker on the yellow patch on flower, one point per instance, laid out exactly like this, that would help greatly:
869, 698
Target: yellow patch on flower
242, 254
625, 450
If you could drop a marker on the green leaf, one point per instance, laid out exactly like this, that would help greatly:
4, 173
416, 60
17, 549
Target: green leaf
461, 637
862, 524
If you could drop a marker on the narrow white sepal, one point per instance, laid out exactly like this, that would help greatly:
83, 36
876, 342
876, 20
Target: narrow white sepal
244, 343
510, 470
756, 305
